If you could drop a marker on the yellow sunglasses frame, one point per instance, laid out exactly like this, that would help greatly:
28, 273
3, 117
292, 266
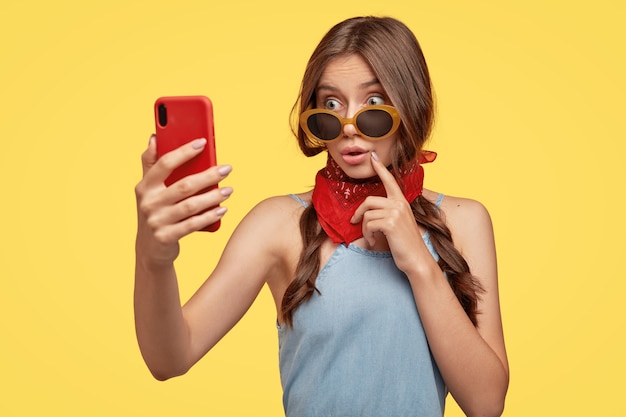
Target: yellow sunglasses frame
395, 117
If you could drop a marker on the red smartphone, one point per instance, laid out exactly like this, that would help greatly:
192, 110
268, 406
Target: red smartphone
180, 120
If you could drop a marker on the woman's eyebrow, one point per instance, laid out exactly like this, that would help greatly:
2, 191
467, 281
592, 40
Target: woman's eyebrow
370, 83
326, 87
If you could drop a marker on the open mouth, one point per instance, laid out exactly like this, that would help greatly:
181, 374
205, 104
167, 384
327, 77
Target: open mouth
354, 157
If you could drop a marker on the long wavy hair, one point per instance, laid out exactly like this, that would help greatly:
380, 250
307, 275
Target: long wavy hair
395, 56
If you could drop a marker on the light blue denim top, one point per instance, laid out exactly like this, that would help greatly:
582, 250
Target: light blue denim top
358, 348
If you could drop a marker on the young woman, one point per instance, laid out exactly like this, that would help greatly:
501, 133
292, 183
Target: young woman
386, 293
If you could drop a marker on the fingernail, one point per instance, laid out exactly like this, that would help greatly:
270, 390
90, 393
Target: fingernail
198, 143
220, 211
152, 139
226, 191
375, 156
224, 170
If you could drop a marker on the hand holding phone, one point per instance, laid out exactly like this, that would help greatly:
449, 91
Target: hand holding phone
180, 120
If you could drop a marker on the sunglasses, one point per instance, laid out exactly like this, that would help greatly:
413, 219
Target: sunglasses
372, 122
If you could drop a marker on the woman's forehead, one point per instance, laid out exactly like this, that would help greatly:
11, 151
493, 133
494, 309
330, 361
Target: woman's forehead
346, 70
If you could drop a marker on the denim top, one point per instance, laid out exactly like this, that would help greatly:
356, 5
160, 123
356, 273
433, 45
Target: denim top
358, 347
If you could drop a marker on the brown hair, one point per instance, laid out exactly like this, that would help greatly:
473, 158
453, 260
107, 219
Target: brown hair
396, 58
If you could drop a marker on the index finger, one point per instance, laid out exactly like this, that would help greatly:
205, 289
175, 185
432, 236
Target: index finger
389, 181
164, 166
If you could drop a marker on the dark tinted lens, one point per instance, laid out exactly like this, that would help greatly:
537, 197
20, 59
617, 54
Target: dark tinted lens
324, 126
374, 123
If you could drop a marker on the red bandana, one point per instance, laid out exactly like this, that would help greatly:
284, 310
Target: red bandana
337, 196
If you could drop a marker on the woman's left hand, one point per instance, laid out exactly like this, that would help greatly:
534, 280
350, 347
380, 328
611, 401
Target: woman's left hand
392, 216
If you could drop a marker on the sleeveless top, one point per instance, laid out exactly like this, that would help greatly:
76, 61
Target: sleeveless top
358, 348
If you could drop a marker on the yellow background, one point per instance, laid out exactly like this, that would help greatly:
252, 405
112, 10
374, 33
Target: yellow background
530, 122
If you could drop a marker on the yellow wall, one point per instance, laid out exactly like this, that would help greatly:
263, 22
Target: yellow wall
531, 101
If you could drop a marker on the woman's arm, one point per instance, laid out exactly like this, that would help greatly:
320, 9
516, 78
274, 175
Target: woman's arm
264, 248
161, 222
472, 360
172, 338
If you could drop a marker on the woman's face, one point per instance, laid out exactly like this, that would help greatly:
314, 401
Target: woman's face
347, 85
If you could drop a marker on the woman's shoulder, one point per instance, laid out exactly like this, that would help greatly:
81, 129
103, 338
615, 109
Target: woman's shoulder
278, 213
273, 224
455, 205
465, 217
279, 205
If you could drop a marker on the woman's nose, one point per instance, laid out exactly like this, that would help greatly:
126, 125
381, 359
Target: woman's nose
349, 130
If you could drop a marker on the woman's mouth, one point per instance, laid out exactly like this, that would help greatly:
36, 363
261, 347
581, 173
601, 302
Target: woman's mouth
354, 156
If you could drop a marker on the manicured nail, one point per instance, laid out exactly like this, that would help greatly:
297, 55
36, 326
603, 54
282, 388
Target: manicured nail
220, 211
375, 156
226, 191
198, 143
224, 170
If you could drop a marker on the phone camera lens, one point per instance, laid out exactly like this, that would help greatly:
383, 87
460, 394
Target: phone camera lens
162, 110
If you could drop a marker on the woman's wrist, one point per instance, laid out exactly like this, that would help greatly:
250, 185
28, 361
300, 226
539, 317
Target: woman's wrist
155, 260
424, 271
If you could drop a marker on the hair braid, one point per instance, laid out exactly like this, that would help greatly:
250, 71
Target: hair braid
466, 288
303, 284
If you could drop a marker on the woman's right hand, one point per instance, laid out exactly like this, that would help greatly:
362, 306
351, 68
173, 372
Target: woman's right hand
166, 214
